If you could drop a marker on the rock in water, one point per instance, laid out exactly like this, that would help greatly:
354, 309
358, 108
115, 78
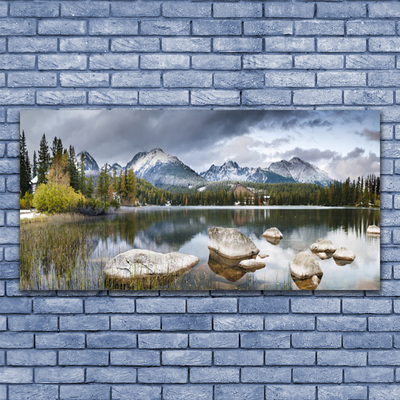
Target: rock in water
231, 243
273, 233
305, 266
251, 264
263, 255
344, 254
373, 230
323, 246
137, 264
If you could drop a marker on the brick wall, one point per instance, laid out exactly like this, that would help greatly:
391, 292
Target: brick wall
199, 345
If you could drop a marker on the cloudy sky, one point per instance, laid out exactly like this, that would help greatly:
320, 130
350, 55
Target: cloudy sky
343, 143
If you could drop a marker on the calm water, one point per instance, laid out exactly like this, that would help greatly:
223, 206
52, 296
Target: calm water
184, 229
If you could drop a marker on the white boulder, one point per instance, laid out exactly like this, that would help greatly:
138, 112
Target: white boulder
273, 233
305, 266
344, 254
323, 246
137, 264
231, 243
373, 230
251, 264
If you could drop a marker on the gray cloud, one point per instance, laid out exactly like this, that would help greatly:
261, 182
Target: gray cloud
198, 137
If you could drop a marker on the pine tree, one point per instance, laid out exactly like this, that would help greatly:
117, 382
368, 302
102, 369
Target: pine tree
103, 184
89, 187
34, 172
25, 171
81, 176
73, 170
130, 186
43, 160
54, 147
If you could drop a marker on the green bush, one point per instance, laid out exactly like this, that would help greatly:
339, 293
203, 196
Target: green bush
52, 198
94, 207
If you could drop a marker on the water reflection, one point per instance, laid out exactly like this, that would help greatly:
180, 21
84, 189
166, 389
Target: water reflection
184, 229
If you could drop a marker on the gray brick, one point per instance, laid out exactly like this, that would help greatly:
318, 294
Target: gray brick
341, 45
368, 374
163, 375
135, 44
261, 375
239, 392
384, 10
316, 340
346, 10
345, 392
184, 392
373, 28
84, 323
217, 27
318, 27
31, 357
32, 323
37, 9
61, 61
193, 45
286, 45
96, 391
384, 357
214, 375
136, 392
14, 61
163, 340
289, 79
342, 78
111, 340
64, 97
187, 323
290, 357
264, 61
321, 375
314, 97
83, 79
342, 358
319, 61
31, 45
214, 340
32, 79
237, 45
60, 375
85, 9
186, 79
111, 375
135, 357
264, 340
214, 97
135, 322
264, 305
114, 61
367, 341
136, 79
186, 357
341, 323
164, 61
33, 391
83, 357
273, 28
289, 392
177, 97
61, 27
238, 10
16, 375
109, 306
366, 306
368, 97
238, 357
87, 45
381, 45
289, 323
262, 96
19, 26
370, 61
288, 10
215, 62
165, 28
186, 10
240, 323
113, 27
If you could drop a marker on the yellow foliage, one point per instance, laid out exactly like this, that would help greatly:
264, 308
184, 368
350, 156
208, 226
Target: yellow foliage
54, 198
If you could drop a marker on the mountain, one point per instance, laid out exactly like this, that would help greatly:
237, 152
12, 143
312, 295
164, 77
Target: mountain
230, 171
91, 166
163, 170
117, 168
301, 171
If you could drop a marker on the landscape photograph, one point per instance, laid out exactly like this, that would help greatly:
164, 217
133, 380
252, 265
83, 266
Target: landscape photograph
199, 200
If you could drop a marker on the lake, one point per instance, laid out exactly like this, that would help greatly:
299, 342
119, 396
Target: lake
71, 255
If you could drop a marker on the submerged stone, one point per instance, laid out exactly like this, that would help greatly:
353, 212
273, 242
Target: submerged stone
273, 233
323, 246
137, 263
344, 254
231, 243
373, 230
251, 264
305, 266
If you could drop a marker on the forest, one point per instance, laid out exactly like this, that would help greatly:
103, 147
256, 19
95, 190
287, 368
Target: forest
63, 187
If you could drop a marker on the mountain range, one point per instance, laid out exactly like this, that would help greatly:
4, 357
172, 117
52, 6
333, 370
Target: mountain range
166, 171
